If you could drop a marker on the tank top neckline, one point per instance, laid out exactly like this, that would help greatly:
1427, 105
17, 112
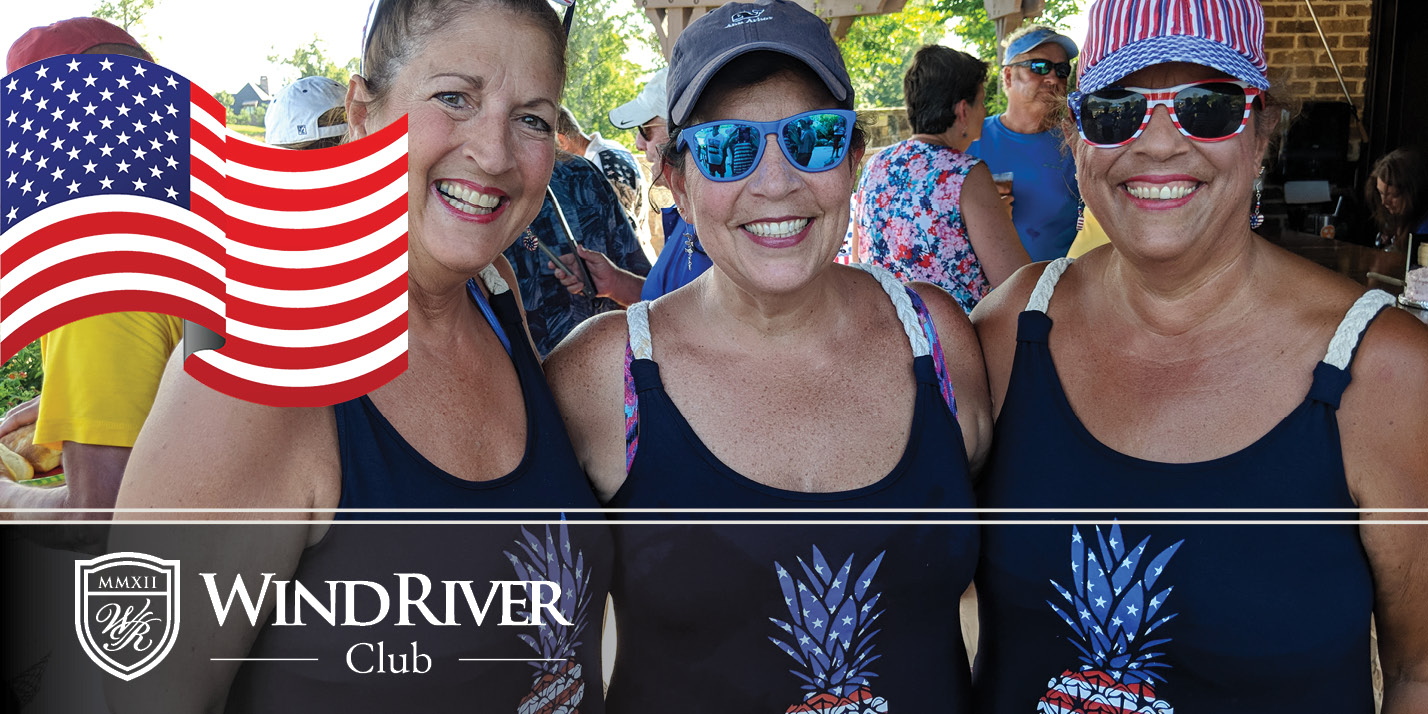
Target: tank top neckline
496, 300
1042, 294
921, 367
1063, 404
921, 340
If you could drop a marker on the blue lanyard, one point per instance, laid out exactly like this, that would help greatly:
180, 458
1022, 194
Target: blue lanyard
485, 306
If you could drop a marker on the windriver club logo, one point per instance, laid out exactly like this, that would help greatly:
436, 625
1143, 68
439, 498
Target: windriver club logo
126, 611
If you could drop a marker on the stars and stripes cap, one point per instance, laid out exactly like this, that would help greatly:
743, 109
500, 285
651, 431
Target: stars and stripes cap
74, 36
1125, 36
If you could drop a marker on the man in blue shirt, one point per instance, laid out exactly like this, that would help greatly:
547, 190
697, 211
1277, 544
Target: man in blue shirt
1026, 141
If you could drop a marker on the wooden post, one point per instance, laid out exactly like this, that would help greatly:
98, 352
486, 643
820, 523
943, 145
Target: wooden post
670, 17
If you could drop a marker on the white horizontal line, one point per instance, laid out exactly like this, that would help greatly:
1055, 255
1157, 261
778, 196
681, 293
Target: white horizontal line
262, 659
550, 509
511, 659
126, 592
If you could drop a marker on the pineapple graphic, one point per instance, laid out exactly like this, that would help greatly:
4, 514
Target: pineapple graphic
1112, 607
558, 687
830, 634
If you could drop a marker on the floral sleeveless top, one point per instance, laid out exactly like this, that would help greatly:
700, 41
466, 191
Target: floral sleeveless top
909, 217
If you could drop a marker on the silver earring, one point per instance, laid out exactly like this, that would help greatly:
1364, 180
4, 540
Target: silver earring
1256, 214
688, 249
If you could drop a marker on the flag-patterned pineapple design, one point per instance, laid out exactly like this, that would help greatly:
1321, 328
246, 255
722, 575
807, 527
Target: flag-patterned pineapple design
830, 634
558, 687
1112, 607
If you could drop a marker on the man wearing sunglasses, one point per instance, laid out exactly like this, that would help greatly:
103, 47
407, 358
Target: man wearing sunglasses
1026, 141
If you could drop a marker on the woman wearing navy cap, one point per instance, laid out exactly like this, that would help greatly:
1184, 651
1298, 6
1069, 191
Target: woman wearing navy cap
1192, 365
775, 383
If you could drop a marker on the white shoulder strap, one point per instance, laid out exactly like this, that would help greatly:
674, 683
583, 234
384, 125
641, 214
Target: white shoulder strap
906, 313
495, 284
1351, 328
637, 318
1041, 296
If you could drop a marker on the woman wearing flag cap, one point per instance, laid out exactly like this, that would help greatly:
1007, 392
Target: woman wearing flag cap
1191, 365
470, 425
775, 383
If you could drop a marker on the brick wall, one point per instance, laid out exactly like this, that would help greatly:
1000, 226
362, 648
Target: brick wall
1297, 55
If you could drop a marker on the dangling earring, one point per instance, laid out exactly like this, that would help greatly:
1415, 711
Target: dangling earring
528, 239
688, 249
1080, 215
1257, 215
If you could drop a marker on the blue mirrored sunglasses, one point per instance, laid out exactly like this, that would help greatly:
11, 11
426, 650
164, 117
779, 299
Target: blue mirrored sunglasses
729, 150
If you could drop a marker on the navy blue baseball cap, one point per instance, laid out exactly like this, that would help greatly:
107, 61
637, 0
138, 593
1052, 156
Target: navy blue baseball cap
1037, 38
739, 28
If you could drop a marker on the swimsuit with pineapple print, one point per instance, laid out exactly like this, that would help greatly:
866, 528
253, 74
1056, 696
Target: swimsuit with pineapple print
547, 667
783, 616
1096, 615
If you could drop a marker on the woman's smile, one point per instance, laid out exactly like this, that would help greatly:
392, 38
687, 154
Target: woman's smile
778, 232
469, 201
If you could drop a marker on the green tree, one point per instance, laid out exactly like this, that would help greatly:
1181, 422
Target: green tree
970, 22
601, 76
125, 13
878, 49
311, 60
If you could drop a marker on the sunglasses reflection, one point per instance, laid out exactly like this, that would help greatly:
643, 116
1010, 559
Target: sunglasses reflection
728, 150
1209, 111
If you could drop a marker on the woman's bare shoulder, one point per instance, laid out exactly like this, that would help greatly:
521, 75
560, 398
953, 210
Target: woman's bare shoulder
1000, 307
586, 374
201, 448
592, 344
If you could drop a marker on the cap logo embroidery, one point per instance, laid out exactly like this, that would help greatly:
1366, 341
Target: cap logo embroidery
744, 17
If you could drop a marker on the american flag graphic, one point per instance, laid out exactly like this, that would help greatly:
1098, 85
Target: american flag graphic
124, 191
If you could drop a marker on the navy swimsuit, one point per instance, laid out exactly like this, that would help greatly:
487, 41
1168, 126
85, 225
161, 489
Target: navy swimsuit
1149, 618
780, 616
381, 470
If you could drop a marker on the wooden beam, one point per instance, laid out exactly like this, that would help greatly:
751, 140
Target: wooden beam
670, 17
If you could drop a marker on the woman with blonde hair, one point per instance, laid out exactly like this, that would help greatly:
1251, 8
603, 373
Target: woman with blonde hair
470, 425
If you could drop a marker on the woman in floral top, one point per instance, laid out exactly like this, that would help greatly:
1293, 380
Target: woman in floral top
924, 209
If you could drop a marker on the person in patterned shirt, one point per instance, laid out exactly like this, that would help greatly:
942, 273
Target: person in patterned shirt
598, 225
619, 166
927, 210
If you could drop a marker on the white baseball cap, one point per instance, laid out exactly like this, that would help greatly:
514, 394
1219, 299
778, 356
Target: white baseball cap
292, 118
649, 105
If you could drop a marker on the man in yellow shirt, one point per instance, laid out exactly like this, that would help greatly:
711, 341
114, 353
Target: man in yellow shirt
101, 373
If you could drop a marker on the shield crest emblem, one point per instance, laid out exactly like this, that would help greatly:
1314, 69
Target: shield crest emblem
126, 611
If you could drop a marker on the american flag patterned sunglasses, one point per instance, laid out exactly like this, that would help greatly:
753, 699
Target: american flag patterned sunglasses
1208, 110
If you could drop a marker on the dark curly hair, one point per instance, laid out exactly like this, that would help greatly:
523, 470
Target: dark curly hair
937, 80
